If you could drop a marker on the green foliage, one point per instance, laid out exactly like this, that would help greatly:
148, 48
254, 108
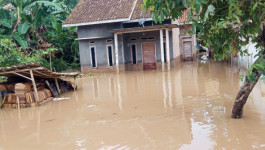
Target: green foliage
11, 55
29, 24
224, 25
20, 40
23, 28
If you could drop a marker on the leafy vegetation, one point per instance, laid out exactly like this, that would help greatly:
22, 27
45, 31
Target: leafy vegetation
30, 29
225, 26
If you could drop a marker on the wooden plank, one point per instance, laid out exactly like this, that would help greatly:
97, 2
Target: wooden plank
50, 88
17, 71
43, 74
34, 86
23, 76
143, 29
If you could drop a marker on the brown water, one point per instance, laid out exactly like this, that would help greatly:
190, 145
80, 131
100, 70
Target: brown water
187, 108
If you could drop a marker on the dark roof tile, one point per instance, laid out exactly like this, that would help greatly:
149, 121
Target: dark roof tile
100, 10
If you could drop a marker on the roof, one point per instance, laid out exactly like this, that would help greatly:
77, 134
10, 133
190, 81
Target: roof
38, 71
88, 12
139, 12
97, 11
184, 16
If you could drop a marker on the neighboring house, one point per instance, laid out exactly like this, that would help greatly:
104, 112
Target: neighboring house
118, 35
246, 61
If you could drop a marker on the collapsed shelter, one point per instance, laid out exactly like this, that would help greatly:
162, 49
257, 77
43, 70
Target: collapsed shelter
33, 84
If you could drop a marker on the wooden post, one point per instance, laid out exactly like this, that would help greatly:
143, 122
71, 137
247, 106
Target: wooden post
50, 88
57, 86
162, 49
34, 86
116, 51
168, 52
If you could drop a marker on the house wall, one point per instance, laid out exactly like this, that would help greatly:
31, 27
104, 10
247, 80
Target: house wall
98, 34
245, 60
99, 30
138, 41
186, 36
101, 54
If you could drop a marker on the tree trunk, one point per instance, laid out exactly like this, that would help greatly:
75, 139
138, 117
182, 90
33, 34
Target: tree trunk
243, 94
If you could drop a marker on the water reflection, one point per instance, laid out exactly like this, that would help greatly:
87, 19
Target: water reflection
186, 108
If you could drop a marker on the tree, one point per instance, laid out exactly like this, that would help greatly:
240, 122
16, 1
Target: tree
226, 26
37, 25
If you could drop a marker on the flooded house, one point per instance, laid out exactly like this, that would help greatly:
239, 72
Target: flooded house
120, 36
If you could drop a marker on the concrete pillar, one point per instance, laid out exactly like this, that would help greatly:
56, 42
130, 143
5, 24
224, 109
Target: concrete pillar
176, 45
194, 41
162, 49
167, 48
116, 51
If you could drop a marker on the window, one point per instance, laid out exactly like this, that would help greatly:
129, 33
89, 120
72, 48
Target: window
110, 55
93, 57
165, 52
151, 38
109, 41
133, 48
148, 38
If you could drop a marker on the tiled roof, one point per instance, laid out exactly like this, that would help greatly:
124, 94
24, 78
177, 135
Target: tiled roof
99, 11
184, 17
139, 12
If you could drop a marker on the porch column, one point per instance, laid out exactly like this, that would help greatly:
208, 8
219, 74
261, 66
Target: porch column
162, 49
116, 51
168, 52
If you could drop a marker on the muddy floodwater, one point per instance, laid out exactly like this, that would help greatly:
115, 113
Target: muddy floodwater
187, 108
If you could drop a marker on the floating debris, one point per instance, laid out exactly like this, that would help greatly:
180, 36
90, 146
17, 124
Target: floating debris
204, 57
91, 106
62, 98
262, 76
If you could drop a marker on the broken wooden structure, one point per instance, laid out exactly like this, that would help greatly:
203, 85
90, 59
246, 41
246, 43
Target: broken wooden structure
37, 74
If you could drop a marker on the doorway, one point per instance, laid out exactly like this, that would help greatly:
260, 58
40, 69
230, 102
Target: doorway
149, 55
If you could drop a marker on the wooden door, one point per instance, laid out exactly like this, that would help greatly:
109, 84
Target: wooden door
187, 50
149, 55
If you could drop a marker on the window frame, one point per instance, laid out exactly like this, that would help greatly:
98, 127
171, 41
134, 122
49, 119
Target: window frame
132, 52
107, 50
95, 51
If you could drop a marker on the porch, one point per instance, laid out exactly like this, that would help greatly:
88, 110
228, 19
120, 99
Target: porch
143, 48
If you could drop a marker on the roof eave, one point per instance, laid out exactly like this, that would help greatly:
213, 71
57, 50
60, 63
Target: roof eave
95, 22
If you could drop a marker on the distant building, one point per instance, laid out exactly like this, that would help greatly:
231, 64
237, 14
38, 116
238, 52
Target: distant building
118, 35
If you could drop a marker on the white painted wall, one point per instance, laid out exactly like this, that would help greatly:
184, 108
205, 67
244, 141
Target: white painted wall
247, 61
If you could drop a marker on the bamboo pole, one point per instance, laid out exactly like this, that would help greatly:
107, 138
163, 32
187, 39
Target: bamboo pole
34, 86
50, 88
57, 86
